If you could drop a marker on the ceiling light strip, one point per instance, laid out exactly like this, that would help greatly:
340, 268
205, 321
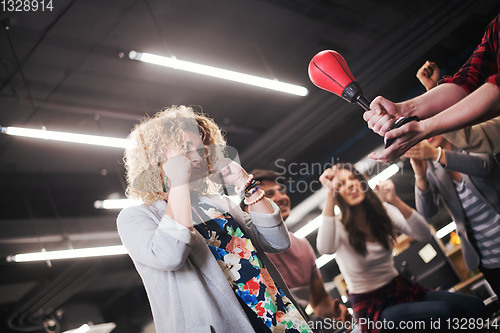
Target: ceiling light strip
219, 73
116, 203
69, 254
313, 224
446, 230
324, 259
83, 329
66, 137
309, 227
384, 175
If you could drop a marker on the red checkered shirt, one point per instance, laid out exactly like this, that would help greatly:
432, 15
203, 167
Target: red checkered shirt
484, 64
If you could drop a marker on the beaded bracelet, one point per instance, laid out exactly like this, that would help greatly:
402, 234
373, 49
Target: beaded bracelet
249, 193
253, 183
250, 178
259, 198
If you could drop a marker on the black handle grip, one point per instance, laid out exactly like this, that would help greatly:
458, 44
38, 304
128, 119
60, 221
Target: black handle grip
398, 123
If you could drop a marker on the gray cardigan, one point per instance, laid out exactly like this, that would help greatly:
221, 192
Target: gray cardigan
187, 290
481, 175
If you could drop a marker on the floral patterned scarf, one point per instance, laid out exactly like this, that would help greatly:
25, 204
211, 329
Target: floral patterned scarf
246, 273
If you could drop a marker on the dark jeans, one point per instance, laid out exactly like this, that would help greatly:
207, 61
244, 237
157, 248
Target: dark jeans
434, 305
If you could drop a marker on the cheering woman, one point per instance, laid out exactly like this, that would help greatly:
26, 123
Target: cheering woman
362, 237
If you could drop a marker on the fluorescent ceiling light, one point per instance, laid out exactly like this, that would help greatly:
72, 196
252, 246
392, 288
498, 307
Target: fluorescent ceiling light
83, 329
69, 254
313, 225
116, 203
300, 211
309, 227
219, 73
99, 328
446, 230
324, 259
66, 137
384, 175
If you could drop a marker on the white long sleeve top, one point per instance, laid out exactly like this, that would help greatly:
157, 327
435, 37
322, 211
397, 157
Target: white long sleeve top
366, 273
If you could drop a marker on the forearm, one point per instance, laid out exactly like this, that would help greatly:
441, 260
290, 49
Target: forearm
322, 304
179, 205
408, 221
163, 246
328, 209
262, 206
406, 210
255, 200
421, 182
434, 101
419, 228
479, 165
268, 230
327, 239
426, 202
325, 308
479, 106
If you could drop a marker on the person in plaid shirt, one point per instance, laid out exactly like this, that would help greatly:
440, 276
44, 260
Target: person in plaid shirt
471, 96
480, 138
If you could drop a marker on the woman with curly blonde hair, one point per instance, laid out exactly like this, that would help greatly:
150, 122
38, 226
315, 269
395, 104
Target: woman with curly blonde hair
201, 257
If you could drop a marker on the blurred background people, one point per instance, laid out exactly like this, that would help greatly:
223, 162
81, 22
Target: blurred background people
469, 186
297, 264
362, 237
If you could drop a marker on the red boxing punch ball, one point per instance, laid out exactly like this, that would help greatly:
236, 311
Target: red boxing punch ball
329, 71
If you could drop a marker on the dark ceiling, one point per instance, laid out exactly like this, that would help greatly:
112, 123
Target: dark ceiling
68, 70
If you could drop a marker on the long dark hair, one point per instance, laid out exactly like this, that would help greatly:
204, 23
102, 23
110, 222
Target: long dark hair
379, 222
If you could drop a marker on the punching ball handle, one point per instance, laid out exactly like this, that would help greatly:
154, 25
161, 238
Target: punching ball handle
353, 94
363, 102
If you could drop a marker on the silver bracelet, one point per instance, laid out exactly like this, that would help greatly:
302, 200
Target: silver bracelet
439, 154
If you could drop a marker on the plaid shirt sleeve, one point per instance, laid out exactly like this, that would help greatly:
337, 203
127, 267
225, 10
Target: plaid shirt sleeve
484, 64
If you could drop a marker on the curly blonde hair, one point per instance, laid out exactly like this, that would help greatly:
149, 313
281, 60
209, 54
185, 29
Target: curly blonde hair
153, 137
